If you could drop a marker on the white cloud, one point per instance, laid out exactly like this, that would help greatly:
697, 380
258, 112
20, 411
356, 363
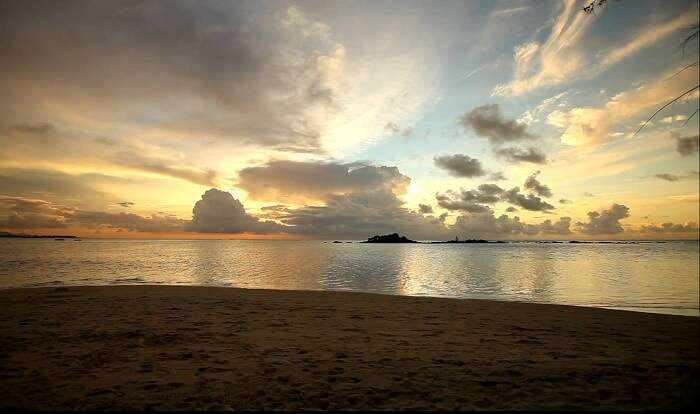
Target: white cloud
591, 125
563, 56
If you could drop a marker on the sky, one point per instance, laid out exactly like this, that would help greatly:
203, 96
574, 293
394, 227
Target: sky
346, 119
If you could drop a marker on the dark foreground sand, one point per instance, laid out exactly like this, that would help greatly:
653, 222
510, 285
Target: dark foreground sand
142, 347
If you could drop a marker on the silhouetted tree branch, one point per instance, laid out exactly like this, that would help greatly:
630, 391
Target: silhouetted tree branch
693, 89
593, 5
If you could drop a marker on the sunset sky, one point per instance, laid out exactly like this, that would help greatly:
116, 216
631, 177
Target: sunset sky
345, 119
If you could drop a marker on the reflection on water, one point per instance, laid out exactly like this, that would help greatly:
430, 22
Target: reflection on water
654, 277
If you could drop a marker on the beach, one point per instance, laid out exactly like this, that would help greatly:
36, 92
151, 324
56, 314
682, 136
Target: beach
184, 347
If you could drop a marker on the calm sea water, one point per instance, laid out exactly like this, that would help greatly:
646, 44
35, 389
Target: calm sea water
651, 277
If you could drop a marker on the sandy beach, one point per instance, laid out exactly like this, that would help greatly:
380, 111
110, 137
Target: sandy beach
156, 347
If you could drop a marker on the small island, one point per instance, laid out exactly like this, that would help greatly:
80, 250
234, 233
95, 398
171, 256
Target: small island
396, 238
457, 240
389, 238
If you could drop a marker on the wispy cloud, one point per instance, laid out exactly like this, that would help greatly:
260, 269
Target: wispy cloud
563, 57
590, 125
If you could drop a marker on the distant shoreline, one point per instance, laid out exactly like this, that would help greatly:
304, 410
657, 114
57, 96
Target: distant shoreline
183, 347
6, 235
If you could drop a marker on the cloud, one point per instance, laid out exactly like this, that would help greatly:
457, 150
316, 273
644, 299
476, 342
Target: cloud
460, 165
646, 37
531, 183
605, 222
672, 119
471, 200
533, 115
528, 202
39, 128
27, 213
497, 176
561, 227
425, 209
553, 62
564, 56
503, 12
686, 145
218, 212
156, 222
391, 128
594, 125
66, 148
125, 204
90, 189
511, 209
487, 121
488, 225
447, 203
565, 201
31, 213
296, 181
360, 215
676, 177
193, 175
689, 227
515, 155
219, 80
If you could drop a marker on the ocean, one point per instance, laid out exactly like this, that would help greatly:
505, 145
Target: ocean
648, 277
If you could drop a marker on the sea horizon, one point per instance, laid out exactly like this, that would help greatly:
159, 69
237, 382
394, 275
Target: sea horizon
646, 276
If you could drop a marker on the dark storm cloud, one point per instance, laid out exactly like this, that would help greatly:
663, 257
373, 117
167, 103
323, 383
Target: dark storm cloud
488, 122
528, 202
425, 209
511, 209
531, 183
294, 180
204, 69
218, 212
460, 165
565, 201
515, 155
605, 222
686, 145
690, 227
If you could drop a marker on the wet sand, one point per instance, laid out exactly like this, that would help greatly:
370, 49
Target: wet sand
155, 347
